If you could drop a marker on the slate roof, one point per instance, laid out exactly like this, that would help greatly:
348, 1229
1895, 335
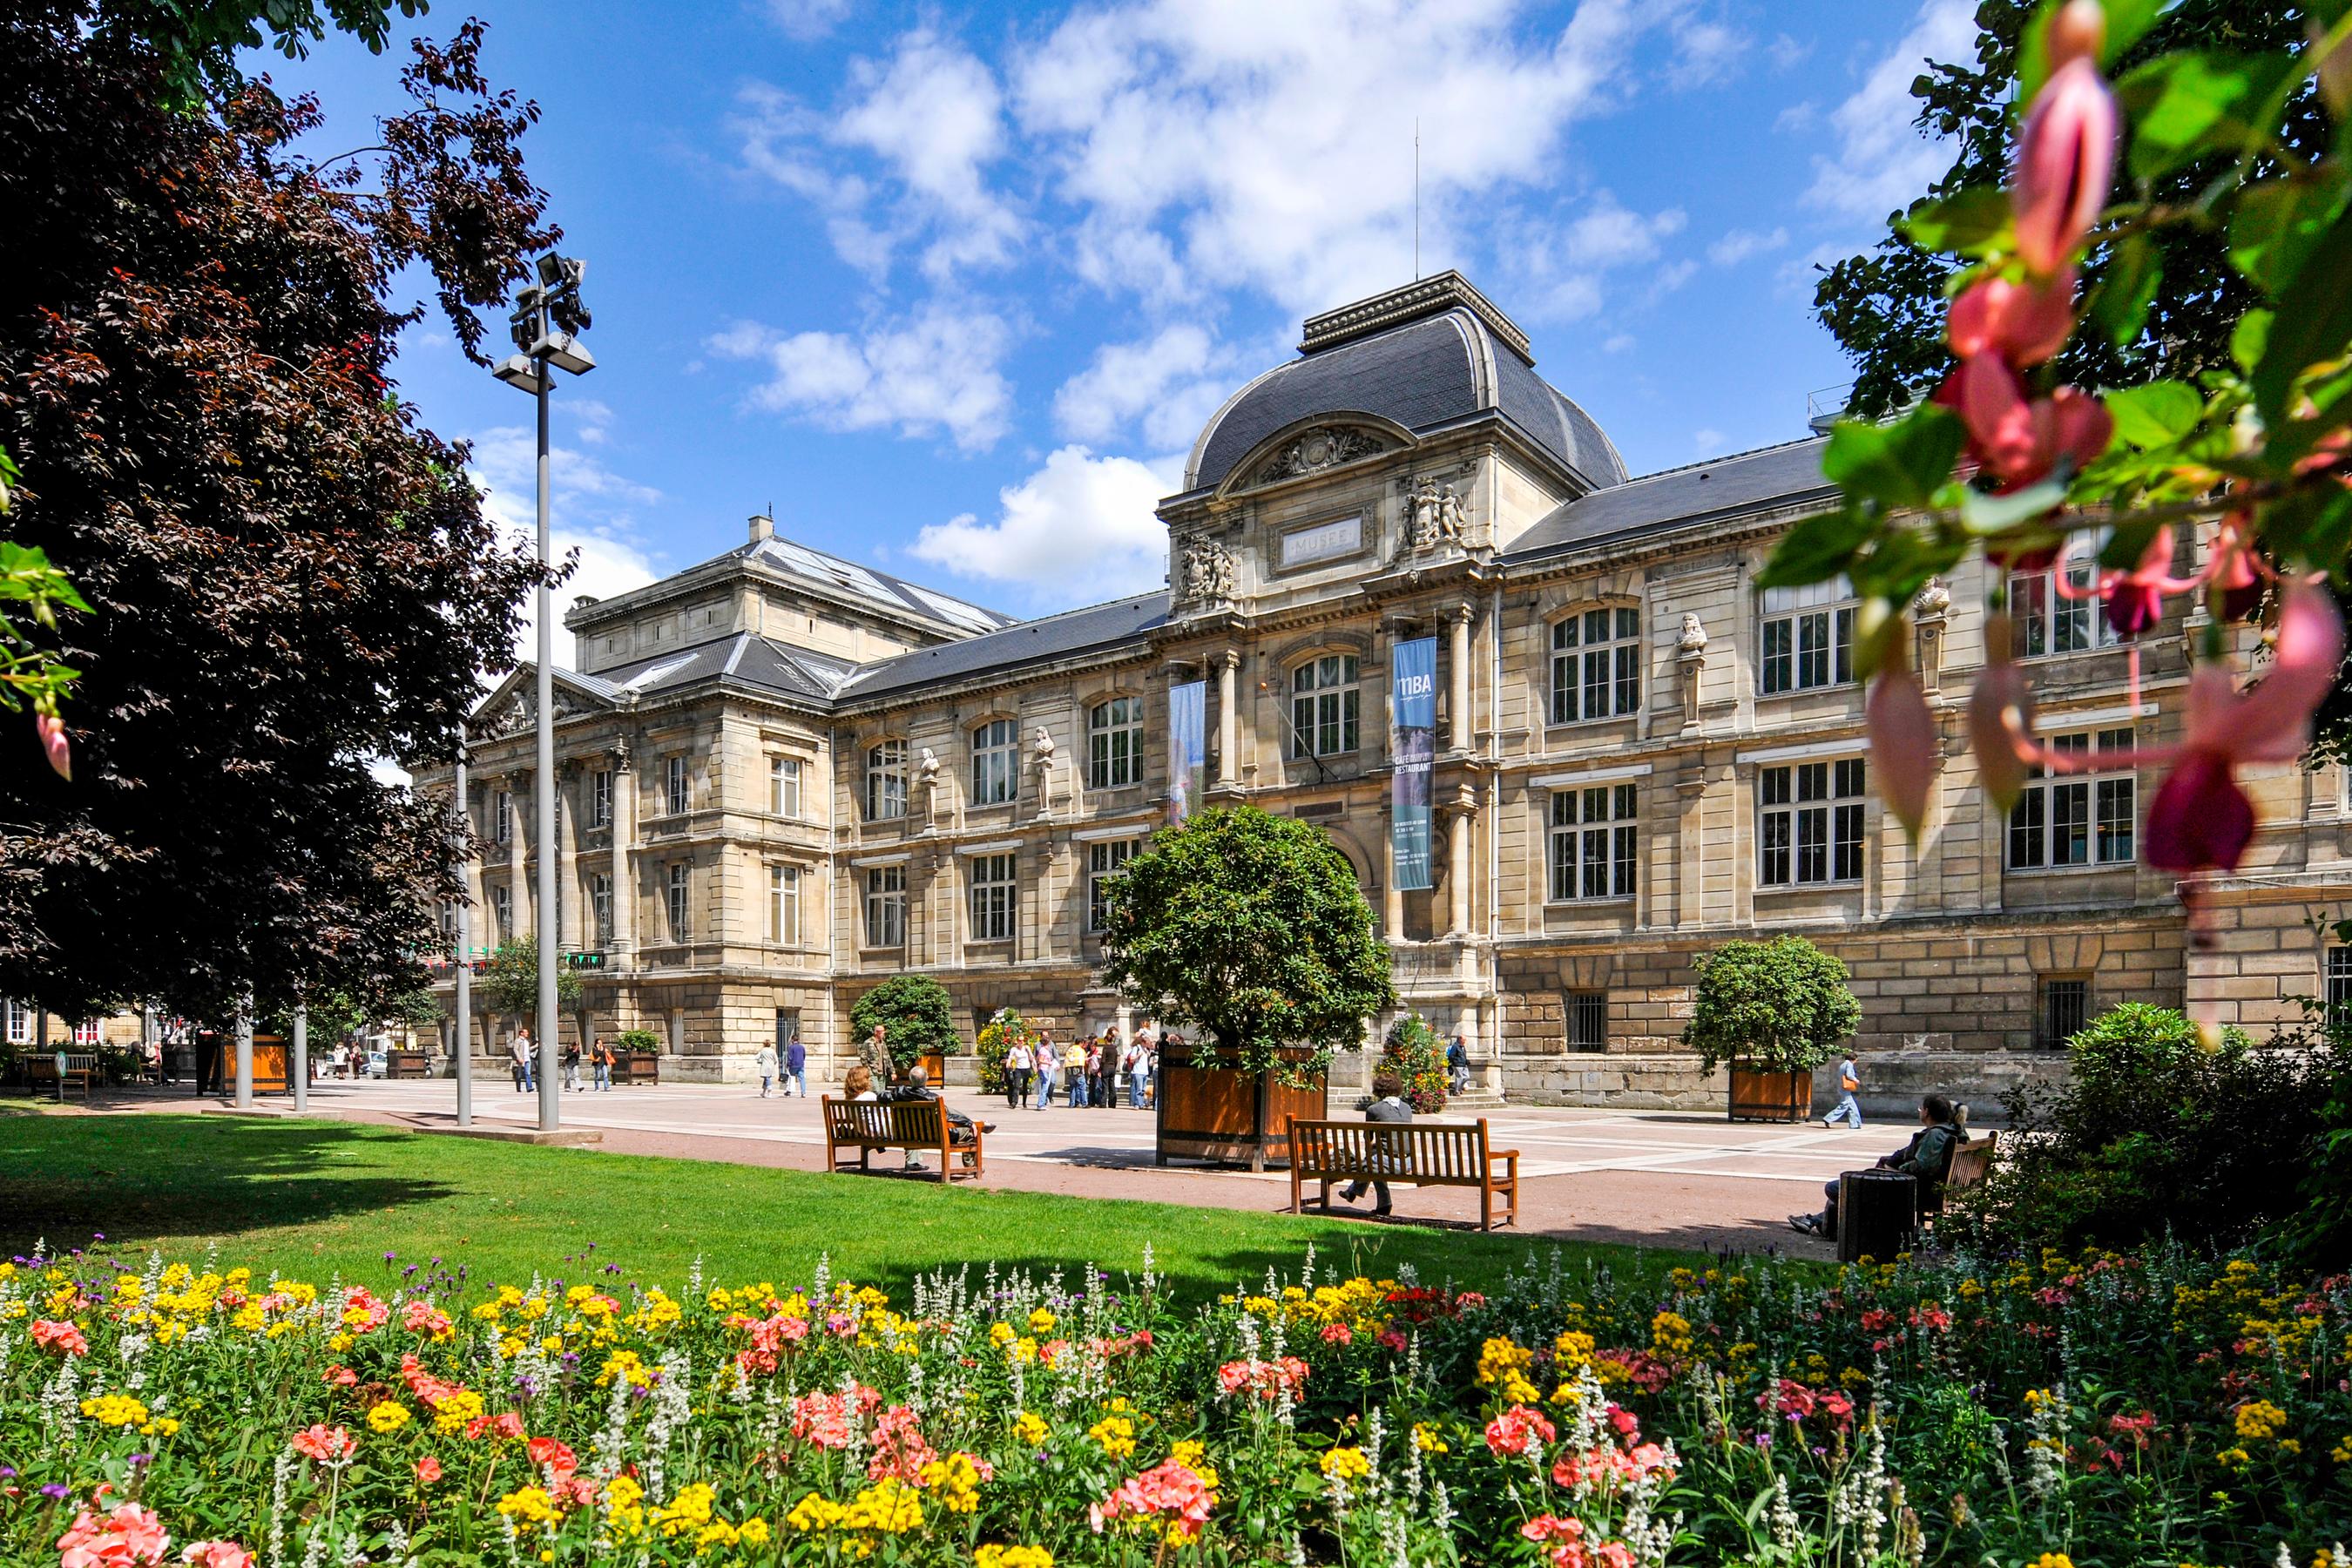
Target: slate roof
743, 656
1423, 375
1030, 642
1743, 482
797, 560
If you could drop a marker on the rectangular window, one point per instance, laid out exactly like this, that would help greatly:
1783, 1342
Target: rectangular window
886, 781
86, 1034
502, 817
600, 798
1115, 743
674, 785
20, 1024
2063, 820
784, 905
993, 894
1592, 843
676, 900
2061, 1010
1596, 665
2057, 610
1323, 707
1809, 823
995, 762
886, 906
1105, 860
600, 906
502, 915
2338, 980
1807, 638
784, 786
1587, 1020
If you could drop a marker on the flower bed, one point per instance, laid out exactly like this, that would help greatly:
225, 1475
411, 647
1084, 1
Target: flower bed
2116, 1410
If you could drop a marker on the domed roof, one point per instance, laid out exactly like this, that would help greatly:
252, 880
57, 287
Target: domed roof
1433, 353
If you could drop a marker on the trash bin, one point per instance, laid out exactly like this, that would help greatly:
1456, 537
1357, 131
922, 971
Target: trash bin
1877, 1213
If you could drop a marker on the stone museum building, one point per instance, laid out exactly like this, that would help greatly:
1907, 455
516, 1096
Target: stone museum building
783, 776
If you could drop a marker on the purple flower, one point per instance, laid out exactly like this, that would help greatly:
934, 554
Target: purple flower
390, 1255
56, 1494
139, 1461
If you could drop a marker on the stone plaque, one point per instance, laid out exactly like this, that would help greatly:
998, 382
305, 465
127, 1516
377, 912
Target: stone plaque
1324, 541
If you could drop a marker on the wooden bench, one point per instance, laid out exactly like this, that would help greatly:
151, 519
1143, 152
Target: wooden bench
1971, 1164
1422, 1154
41, 1071
913, 1125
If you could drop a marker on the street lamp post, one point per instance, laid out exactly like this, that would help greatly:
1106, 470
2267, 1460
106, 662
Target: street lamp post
465, 1054
546, 323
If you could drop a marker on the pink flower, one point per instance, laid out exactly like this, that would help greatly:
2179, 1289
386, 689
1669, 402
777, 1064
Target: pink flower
2065, 162
63, 1338
423, 1318
2000, 714
898, 1446
2024, 323
2135, 598
323, 1443
1903, 747
131, 1534
1515, 1429
340, 1377
1170, 1490
2015, 441
52, 732
547, 1453
216, 1554
1338, 1334
428, 1469
1263, 1378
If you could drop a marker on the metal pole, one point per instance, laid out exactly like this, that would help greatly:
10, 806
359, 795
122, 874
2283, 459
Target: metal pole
245, 1058
465, 1063
551, 1113
301, 1072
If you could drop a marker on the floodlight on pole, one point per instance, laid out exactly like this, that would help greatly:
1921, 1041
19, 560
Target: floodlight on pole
546, 318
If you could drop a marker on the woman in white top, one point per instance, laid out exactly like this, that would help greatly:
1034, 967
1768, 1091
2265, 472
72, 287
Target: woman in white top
1017, 1068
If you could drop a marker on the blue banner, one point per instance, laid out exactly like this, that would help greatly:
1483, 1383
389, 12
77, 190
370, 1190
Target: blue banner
1188, 746
1413, 744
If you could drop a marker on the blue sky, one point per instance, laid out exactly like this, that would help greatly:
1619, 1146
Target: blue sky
952, 289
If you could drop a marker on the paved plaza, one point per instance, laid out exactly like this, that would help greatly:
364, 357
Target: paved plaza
1660, 1178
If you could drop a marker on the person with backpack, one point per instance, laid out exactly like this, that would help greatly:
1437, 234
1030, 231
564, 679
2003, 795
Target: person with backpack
1457, 1065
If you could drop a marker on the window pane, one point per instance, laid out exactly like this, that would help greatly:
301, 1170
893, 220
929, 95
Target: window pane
1813, 650
2070, 824
1846, 844
1776, 786
1348, 728
1563, 687
1629, 678
1629, 622
1596, 625
1596, 862
2025, 831
1842, 647
1772, 844
1621, 883
2028, 609
1596, 683
1563, 633
1813, 845
1778, 668
1812, 781
2114, 820
1302, 726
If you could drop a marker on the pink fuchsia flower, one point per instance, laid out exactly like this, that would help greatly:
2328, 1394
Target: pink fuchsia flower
130, 1534
2065, 157
63, 1338
2199, 819
54, 744
2016, 441
428, 1469
323, 1443
2135, 599
216, 1554
2024, 323
1904, 744
1516, 1429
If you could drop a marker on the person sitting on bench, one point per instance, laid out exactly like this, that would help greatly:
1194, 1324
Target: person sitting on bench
1388, 1105
959, 1128
1943, 1127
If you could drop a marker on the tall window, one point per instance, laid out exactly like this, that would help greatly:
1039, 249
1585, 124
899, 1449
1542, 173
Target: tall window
1808, 636
600, 798
1105, 860
886, 906
2075, 818
885, 780
599, 906
674, 785
1323, 718
784, 786
995, 761
2339, 977
784, 905
1115, 743
502, 817
2044, 620
1593, 850
993, 897
1587, 1020
20, 1024
1596, 665
502, 914
86, 1034
1809, 823
675, 900
2061, 1009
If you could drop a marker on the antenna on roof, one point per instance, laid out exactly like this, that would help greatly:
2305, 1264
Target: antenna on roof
1416, 198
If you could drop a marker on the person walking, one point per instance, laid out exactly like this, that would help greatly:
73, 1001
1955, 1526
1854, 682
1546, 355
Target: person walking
1849, 1084
600, 1061
875, 1052
1020, 1066
1388, 1105
1049, 1063
796, 1066
766, 1062
572, 1065
1076, 1074
520, 1053
1457, 1065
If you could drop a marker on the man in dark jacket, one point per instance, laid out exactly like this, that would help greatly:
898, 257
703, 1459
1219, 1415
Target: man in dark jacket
1388, 1105
1927, 1157
959, 1128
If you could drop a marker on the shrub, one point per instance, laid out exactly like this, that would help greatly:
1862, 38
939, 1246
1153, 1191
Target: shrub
1413, 1051
1779, 1005
639, 1040
917, 1017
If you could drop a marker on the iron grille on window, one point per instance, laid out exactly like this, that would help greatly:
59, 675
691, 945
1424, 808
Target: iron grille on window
1587, 1020
2063, 1008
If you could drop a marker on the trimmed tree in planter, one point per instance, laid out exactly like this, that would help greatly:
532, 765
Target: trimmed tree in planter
1774, 1010
1248, 933
917, 1017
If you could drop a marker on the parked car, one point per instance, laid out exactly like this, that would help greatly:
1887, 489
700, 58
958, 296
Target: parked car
379, 1064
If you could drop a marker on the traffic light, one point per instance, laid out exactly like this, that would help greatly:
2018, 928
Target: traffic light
583, 961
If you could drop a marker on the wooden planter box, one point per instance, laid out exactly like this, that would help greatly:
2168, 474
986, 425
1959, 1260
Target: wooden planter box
637, 1066
935, 1069
409, 1064
1227, 1117
1762, 1095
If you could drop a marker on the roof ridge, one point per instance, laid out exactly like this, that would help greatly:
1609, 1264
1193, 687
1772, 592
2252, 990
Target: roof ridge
1719, 458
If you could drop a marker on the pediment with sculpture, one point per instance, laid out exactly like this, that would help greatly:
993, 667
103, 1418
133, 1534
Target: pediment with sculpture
1321, 448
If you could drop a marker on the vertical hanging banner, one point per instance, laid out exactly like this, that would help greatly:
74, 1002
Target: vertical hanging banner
1413, 744
1188, 746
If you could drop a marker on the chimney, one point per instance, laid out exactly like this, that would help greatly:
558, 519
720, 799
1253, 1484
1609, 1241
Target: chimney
763, 527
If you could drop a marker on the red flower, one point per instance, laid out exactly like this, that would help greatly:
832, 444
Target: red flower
63, 1338
1338, 1334
547, 1453
428, 1469
2016, 441
2065, 162
2024, 323
130, 1534
1515, 1429
322, 1442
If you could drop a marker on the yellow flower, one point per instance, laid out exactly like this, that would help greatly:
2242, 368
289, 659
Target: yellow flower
1029, 1428
955, 1482
455, 1410
1116, 1434
1346, 1464
1001, 1334
389, 1416
813, 1512
1042, 1322
2259, 1419
1425, 1437
115, 1410
753, 1532
531, 1505
995, 1556
2053, 1560
889, 1505
1498, 1359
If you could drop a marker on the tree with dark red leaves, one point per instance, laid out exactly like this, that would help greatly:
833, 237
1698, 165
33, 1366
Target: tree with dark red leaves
288, 576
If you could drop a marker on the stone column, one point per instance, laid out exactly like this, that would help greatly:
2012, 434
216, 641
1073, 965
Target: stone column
1228, 717
570, 899
518, 856
1457, 866
624, 839
1457, 714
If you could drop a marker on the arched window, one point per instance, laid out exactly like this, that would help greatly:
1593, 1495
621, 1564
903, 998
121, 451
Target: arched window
1115, 743
995, 762
1323, 701
885, 780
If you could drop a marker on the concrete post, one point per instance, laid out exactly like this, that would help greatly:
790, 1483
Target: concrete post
625, 834
244, 1088
298, 1070
1457, 713
463, 1064
1457, 871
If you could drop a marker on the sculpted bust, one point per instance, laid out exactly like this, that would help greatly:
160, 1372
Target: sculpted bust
1693, 635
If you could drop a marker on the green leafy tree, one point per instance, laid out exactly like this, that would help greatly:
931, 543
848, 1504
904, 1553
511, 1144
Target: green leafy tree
917, 1017
1781, 1005
509, 980
1415, 1052
1251, 928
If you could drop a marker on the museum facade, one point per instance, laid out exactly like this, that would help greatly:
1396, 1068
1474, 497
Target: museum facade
783, 776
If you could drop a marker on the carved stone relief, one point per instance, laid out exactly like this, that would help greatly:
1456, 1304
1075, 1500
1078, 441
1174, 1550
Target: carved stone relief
1435, 517
1326, 447
1204, 573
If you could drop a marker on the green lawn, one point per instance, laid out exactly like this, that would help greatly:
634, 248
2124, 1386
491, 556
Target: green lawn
312, 1198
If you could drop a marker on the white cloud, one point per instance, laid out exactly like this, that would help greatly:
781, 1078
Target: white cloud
1740, 243
807, 18
934, 371
1561, 268
608, 561
1882, 162
1708, 442
1617, 343
1171, 383
1706, 52
1079, 530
